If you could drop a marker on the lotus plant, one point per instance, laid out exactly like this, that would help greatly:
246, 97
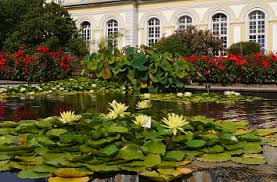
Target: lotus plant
69, 117
175, 122
143, 121
117, 110
231, 93
144, 104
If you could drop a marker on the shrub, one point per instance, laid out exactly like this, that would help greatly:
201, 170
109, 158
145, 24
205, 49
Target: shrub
170, 44
197, 40
245, 48
255, 68
139, 72
40, 66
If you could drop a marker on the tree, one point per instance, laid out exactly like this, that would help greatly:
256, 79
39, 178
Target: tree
46, 25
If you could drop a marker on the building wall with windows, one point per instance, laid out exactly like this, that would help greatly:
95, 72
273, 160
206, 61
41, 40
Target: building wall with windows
137, 22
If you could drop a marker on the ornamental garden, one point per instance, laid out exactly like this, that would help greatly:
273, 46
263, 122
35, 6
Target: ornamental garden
144, 125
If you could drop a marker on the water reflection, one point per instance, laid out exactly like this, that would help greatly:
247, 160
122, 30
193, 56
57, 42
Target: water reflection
257, 112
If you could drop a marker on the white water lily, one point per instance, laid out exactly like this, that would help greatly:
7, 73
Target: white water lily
175, 122
188, 94
93, 85
146, 96
61, 88
180, 94
69, 116
231, 93
144, 104
91, 91
117, 110
143, 121
3, 90
22, 89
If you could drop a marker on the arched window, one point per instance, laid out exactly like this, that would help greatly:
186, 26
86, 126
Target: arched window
257, 27
112, 33
153, 31
86, 33
184, 22
220, 28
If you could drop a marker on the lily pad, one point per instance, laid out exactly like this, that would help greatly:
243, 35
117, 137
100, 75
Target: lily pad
154, 147
30, 174
152, 160
174, 155
55, 132
59, 179
265, 132
249, 160
130, 152
71, 173
222, 157
214, 149
195, 144
250, 137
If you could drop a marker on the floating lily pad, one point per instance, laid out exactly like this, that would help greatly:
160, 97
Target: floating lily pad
174, 155
252, 148
249, 160
30, 174
195, 144
273, 143
71, 173
117, 129
55, 132
265, 132
227, 138
250, 137
152, 160
214, 149
222, 157
154, 147
130, 152
59, 179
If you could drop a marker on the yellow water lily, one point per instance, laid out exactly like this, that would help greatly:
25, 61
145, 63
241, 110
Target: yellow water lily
117, 110
143, 121
175, 122
69, 116
144, 104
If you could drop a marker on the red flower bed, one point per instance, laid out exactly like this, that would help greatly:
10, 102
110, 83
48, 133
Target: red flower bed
256, 68
41, 65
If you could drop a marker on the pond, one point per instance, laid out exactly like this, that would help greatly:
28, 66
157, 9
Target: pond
260, 113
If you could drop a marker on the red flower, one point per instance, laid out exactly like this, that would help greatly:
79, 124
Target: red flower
43, 49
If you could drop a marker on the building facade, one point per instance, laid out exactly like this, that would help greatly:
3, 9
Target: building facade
139, 22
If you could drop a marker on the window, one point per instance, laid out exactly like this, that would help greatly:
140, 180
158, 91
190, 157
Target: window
184, 22
86, 33
257, 27
112, 33
153, 31
220, 29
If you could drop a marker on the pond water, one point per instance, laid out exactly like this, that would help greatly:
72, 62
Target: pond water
261, 114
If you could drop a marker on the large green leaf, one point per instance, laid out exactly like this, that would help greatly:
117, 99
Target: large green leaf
214, 149
130, 152
55, 132
117, 129
71, 172
152, 160
227, 138
174, 155
109, 150
250, 137
195, 144
154, 147
221, 157
30, 174
257, 159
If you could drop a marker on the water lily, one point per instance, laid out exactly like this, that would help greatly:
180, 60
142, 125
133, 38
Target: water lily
22, 89
143, 121
3, 90
180, 94
69, 116
188, 94
93, 85
146, 95
231, 93
175, 122
117, 110
144, 104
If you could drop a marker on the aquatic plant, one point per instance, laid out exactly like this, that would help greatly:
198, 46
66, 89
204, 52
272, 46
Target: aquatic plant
117, 110
143, 121
145, 104
175, 122
69, 117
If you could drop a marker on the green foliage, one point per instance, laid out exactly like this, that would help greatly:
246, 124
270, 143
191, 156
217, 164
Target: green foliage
197, 41
245, 48
171, 45
137, 71
92, 147
43, 25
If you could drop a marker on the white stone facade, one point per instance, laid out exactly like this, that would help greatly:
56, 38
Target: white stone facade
133, 17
